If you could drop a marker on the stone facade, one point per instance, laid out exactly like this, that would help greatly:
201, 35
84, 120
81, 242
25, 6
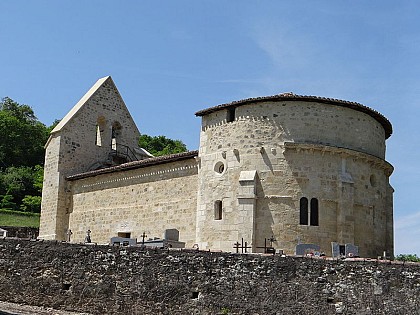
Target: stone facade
75, 145
150, 199
298, 149
297, 169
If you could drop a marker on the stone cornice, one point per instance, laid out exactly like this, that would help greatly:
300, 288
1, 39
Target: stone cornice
140, 176
305, 98
357, 155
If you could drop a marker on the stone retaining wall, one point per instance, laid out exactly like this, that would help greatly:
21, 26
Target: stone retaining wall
113, 280
21, 231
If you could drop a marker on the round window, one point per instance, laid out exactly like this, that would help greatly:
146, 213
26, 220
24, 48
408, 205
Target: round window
219, 167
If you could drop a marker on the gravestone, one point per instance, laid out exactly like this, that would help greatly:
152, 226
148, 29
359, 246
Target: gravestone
335, 249
3, 233
306, 249
352, 250
117, 241
87, 237
171, 235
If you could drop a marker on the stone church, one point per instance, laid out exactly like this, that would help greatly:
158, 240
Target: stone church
290, 168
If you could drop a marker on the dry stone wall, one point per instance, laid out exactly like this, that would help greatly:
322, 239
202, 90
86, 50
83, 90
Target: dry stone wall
114, 280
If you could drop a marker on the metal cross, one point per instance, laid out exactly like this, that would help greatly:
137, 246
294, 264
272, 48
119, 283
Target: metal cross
271, 240
143, 236
237, 246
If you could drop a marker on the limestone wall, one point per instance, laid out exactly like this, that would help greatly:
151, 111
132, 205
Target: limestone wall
298, 149
53, 196
73, 148
149, 200
297, 121
111, 280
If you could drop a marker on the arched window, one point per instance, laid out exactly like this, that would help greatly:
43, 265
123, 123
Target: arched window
314, 212
303, 211
100, 127
115, 133
218, 212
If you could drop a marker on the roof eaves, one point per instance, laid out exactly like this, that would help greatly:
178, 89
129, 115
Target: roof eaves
136, 164
308, 98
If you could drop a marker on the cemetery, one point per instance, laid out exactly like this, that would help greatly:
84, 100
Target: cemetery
306, 172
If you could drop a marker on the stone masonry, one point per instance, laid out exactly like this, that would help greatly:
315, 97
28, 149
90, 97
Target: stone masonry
114, 280
296, 169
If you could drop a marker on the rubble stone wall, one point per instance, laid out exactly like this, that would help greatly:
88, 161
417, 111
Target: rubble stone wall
21, 231
115, 280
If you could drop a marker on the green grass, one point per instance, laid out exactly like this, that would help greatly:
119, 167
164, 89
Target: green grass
17, 218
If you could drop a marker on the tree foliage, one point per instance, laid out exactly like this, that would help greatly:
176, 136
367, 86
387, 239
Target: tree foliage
160, 145
408, 257
22, 139
20, 188
22, 136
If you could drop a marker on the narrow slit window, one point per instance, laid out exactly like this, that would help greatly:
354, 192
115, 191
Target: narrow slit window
100, 127
98, 140
314, 212
115, 134
230, 114
218, 211
303, 211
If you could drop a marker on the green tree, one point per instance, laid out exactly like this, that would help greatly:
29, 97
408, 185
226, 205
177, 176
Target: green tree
31, 204
54, 124
408, 257
6, 202
22, 136
21, 186
160, 145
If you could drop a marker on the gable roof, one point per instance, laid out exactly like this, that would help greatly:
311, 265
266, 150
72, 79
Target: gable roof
80, 103
305, 98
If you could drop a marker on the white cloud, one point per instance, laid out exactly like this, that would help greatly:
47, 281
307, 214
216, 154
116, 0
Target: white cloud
407, 234
412, 219
285, 47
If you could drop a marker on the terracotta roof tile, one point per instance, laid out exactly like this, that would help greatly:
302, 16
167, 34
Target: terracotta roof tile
137, 164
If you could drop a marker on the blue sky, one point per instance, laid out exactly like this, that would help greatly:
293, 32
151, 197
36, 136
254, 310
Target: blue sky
170, 59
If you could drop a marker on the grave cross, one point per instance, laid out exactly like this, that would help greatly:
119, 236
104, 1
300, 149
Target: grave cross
242, 246
272, 240
143, 236
237, 246
268, 249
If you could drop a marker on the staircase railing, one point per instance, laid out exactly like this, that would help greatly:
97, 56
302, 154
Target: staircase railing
122, 150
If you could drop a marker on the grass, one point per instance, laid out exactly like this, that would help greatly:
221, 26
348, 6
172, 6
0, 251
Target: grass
17, 218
